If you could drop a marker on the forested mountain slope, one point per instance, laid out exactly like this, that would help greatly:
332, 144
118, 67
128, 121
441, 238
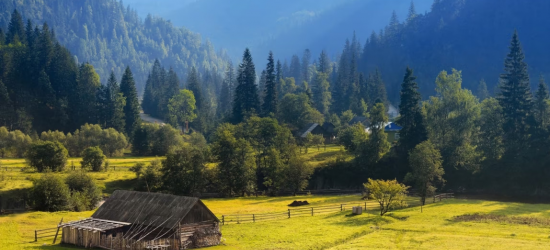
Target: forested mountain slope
469, 35
285, 26
111, 36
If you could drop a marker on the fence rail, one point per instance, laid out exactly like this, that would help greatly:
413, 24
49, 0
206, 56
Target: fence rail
306, 211
48, 232
290, 213
443, 196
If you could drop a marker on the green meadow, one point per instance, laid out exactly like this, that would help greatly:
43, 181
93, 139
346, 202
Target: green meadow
450, 224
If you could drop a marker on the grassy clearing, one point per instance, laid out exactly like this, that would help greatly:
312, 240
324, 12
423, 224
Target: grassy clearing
118, 176
435, 228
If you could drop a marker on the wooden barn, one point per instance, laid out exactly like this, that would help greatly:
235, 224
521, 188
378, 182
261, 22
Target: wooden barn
137, 220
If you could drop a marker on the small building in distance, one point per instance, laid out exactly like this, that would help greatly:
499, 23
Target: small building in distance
313, 128
327, 130
392, 130
360, 119
139, 221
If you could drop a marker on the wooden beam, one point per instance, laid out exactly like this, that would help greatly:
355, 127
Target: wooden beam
57, 232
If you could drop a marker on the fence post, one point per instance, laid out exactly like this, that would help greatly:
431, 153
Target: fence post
341, 207
253, 218
289, 213
223, 219
365, 206
35, 236
311, 211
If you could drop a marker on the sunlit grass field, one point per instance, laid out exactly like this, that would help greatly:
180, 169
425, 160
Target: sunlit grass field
118, 175
434, 228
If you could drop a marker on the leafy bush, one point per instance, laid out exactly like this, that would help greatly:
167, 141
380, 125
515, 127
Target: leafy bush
388, 194
150, 177
85, 194
152, 139
93, 159
13, 143
46, 155
50, 193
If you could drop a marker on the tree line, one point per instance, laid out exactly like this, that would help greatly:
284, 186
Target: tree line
42, 88
111, 36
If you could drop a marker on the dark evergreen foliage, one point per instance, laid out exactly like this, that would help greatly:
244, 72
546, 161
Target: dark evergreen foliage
111, 36
246, 101
516, 98
270, 96
131, 109
413, 130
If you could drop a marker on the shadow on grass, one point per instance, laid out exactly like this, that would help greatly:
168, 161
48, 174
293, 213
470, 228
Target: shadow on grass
55, 247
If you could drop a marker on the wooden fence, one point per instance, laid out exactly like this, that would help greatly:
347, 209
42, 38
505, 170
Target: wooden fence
292, 212
305, 211
45, 233
443, 196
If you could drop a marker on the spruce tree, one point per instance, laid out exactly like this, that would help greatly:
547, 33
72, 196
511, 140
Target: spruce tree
131, 109
246, 101
376, 89
16, 29
515, 98
413, 130
227, 90
5, 106
482, 92
147, 102
412, 13
278, 72
321, 93
296, 70
193, 84
116, 103
542, 105
88, 84
2, 37
285, 71
270, 92
306, 57
324, 63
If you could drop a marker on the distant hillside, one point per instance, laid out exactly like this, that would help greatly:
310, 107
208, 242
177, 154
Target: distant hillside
110, 36
469, 35
285, 26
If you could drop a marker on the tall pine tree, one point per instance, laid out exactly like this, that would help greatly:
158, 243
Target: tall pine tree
270, 94
542, 105
131, 109
246, 101
16, 29
515, 98
413, 130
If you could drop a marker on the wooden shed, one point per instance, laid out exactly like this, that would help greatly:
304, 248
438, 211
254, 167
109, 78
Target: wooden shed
139, 220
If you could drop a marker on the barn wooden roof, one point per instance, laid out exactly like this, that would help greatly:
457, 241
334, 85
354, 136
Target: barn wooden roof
95, 224
153, 209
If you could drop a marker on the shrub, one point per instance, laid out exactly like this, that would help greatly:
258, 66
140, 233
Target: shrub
93, 159
50, 193
13, 143
152, 139
150, 177
46, 155
388, 194
85, 194
109, 140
